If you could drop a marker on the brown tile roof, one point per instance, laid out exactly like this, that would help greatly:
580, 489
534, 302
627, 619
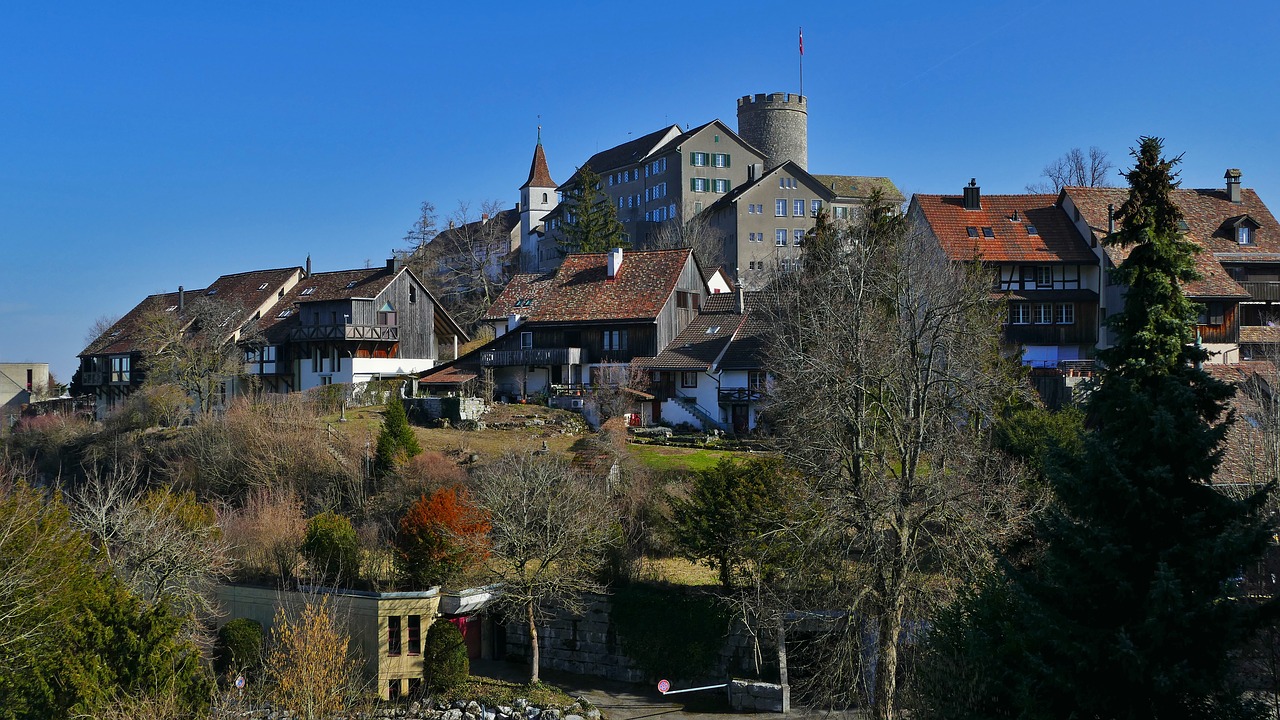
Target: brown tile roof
522, 295
1259, 334
447, 376
539, 175
364, 283
124, 335
702, 341
1056, 239
580, 291
860, 186
1244, 448
1207, 213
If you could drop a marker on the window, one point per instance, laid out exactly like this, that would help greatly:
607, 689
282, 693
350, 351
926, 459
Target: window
1031, 230
797, 208
544, 198
840, 213
988, 233
393, 635
713, 329
780, 208
756, 379
315, 360
1214, 313
1043, 314
720, 185
263, 286
308, 291
698, 184
782, 183
326, 380
393, 688
815, 207
212, 291
698, 159
268, 353
526, 340
973, 231
720, 160
614, 340
352, 284
415, 686
1244, 235
1044, 276
171, 308
688, 379
1066, 314
415, 634
413, 294
386, 318
120, 369
780, 237
1020, 313
797, 237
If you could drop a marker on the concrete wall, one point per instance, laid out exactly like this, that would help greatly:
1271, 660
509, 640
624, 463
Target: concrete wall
364, 613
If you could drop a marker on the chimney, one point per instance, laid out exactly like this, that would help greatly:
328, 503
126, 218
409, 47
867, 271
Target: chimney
1233, 184
484, 218
513, 321
182, 298
308, 273
1015, 217
972, 195
1111, 218
742, 300
754, 171
615, 262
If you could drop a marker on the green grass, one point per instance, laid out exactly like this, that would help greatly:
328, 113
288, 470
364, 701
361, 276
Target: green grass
491, 692
661, 457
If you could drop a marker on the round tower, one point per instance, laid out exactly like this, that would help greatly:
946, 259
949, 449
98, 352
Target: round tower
777, 124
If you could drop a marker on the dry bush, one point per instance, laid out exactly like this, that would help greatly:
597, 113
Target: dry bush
266, 532
309, 668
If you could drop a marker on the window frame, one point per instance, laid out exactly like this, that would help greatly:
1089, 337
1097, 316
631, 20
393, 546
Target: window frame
394, 636
688, 378
780, 207
1064, 314
1020, 313
780, 237
797, 207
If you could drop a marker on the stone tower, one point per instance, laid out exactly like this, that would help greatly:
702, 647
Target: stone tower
537, 198
777, 125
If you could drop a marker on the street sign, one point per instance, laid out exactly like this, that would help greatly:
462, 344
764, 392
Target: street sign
240, 682
663, 686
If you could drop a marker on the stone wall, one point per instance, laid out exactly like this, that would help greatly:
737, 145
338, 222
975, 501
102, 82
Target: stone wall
588, 645
750, 696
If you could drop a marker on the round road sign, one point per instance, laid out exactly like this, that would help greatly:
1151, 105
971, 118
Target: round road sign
240, 682
663, 686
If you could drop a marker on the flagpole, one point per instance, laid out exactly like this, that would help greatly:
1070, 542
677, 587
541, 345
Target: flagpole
801, 61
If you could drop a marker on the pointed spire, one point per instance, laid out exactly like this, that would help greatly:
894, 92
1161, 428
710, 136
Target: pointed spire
539, 175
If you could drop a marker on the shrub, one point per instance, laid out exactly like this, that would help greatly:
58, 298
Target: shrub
396, 441
444, 657
331, 547
239, 647
440, 537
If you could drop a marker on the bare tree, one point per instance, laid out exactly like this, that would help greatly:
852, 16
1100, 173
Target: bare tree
549, 528
163, 546
309, 666
99, 327
616, 388
196, 349
468, 263
1075, 169
887, 367
697, 232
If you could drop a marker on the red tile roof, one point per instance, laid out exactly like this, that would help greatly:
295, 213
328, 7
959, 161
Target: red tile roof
1056, 239
522, 295
539, 175
1208, 213
580, 291
364, 283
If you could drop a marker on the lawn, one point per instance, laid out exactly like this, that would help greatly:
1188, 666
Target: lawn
661, 457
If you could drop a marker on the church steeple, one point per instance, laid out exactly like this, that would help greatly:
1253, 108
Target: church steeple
539, 175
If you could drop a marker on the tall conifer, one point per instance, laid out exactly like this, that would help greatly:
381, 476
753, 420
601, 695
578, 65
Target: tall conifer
591, 222
1123, 606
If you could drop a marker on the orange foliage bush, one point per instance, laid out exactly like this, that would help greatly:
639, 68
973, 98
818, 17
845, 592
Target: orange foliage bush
441, 536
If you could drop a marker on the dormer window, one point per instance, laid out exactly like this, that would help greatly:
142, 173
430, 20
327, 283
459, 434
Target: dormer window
1243, 228
1244, 235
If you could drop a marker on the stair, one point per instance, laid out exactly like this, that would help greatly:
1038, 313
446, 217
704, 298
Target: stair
709, 422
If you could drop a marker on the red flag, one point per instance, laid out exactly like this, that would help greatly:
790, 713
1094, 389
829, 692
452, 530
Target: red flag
802, 41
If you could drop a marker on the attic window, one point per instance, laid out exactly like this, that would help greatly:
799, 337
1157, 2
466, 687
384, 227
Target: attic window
171, 308
263, 286
713, 329
285, 313
352, 284
308, 291
1031, 230
524, 302
973, 231
988, 232
1183, 226
212, 291
1244, 235
114, 333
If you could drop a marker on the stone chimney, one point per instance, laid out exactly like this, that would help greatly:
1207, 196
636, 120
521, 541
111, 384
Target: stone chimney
1111, 218
1233, 185
615, 262
972, 195
182, 298
742, 300
308, 273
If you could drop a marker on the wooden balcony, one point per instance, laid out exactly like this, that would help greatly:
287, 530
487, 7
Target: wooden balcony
531, 356
1262, 290
377, 333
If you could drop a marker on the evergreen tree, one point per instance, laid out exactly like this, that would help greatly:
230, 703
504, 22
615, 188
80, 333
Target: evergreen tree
1122, 607
591, 221
396, 441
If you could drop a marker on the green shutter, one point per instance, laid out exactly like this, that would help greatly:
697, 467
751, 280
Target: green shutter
693, 185
726, 159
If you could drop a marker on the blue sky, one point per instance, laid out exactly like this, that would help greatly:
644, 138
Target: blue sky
150, 145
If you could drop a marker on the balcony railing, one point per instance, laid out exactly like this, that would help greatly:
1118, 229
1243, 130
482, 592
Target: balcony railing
531, 356
382, 333
92, 377
1262, 290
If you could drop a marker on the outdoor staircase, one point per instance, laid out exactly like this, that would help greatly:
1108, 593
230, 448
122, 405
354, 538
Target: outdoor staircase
708, 420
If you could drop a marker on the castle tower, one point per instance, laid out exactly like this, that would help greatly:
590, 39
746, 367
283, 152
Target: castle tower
777, 125
537, 198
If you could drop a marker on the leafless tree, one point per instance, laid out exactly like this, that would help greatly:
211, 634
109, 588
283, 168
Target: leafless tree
887, 369
99, 327
468, 263
698, 232
164, 546
549, 530
1075, 169
309, 666
616, 389
196, 349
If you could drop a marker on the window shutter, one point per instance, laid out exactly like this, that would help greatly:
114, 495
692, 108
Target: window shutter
726, 159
